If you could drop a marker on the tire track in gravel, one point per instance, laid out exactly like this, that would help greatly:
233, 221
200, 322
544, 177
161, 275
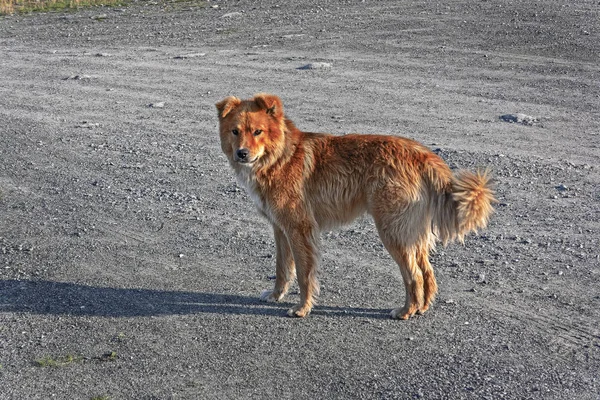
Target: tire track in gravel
566, 338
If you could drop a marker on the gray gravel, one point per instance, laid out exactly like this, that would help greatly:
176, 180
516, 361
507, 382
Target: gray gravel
131, 262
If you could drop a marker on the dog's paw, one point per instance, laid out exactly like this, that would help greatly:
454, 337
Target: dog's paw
423, 309
298, 312
269, 296
401, 313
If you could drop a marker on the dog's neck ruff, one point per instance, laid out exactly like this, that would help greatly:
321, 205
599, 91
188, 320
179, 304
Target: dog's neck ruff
246, 177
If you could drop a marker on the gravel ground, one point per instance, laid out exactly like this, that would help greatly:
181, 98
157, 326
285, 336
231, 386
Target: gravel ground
131, 262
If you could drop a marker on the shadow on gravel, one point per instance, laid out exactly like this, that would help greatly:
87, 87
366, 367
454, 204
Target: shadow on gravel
59, 298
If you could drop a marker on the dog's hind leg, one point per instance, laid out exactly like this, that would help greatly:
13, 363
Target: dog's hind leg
413, 281
401, 227
429, 283
284, 268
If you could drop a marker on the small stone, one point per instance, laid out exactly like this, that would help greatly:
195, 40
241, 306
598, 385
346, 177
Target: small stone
88, 125
519, 119
294, 35
181, 255
232, 15
191, 55
160, 104
316, 65
77, 78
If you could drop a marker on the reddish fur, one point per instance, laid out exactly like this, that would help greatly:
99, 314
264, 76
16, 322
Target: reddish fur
305, 182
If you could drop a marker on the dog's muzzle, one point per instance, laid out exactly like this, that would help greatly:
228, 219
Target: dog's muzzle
243, 156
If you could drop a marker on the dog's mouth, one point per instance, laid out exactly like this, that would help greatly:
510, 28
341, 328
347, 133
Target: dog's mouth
246, 160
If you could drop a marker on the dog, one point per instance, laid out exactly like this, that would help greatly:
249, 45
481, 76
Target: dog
303, 183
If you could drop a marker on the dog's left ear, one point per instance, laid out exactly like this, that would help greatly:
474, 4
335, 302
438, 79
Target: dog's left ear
227, 104
270, 103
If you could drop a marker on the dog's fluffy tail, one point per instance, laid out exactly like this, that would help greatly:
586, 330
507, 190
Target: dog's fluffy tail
466, 207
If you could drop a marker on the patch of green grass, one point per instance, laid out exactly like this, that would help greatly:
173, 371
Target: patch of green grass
177, 5
109, 356
58, 361
119, 337
195, 3
227, 31
26, 6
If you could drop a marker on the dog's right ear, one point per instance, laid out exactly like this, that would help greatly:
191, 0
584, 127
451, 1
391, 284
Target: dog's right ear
270, 103
227, 104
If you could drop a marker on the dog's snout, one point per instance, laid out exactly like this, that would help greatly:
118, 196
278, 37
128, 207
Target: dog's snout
242, 154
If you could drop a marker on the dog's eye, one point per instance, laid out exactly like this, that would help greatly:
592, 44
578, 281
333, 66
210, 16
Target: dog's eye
235, 132
257, 132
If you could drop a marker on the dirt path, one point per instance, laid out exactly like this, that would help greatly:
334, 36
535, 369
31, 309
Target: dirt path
125, 241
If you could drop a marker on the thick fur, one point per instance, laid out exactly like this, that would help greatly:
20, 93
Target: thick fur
306, 182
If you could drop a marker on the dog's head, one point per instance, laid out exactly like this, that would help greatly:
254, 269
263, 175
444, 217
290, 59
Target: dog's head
251, 130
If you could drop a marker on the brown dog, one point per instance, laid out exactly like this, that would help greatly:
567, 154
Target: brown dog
306, 182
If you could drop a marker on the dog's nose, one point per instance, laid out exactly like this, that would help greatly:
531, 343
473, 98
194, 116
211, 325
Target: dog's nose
242, 154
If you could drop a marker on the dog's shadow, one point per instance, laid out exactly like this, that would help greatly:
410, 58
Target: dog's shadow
62, 298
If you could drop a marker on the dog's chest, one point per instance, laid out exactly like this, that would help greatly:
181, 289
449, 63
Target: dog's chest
247, 180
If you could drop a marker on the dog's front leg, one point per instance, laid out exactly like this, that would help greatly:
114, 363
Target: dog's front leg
284, 268
304, 243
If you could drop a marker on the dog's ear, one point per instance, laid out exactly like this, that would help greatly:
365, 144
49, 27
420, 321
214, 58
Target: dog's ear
227, 104
270, 103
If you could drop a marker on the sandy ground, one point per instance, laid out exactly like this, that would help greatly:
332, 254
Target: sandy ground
130, 257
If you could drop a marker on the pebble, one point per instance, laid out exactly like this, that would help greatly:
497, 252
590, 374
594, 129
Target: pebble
316, 65
88, 125
191, 55
295, 35
77, 77
519, 119
232, 15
